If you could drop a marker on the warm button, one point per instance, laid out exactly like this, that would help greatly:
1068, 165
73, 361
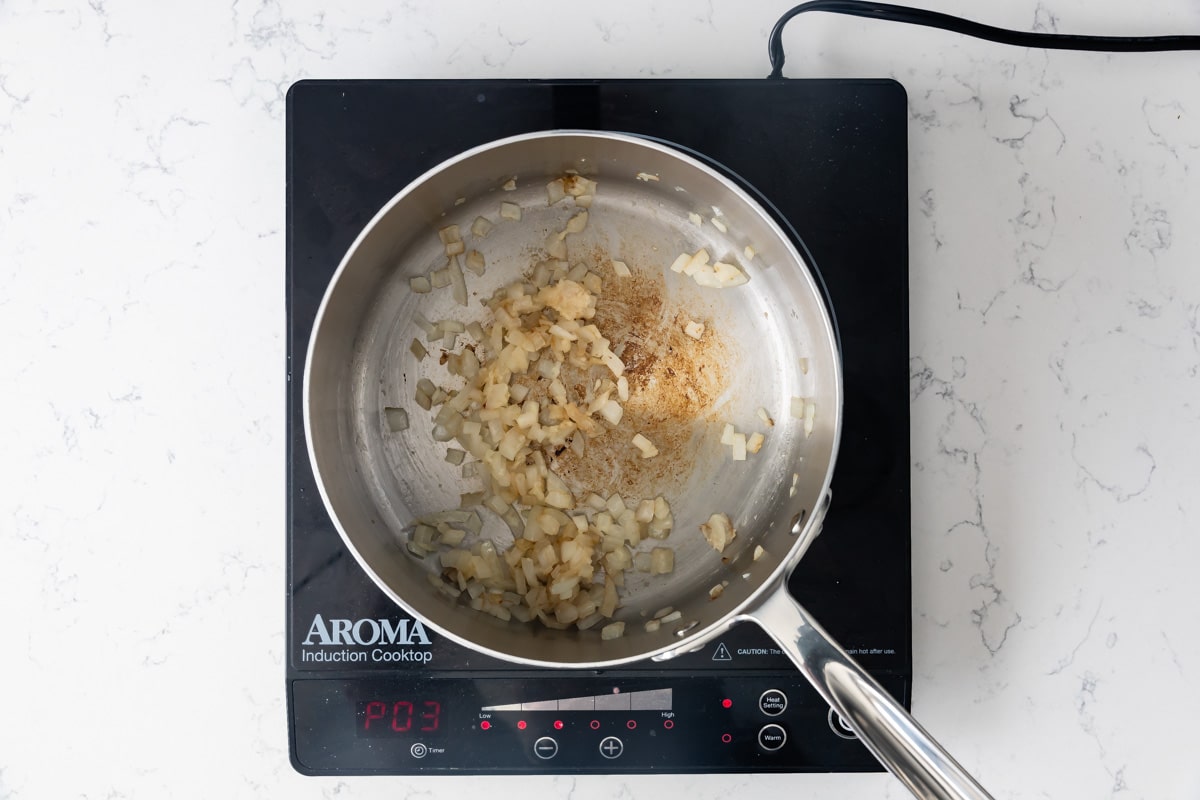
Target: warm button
772, 702
771, 737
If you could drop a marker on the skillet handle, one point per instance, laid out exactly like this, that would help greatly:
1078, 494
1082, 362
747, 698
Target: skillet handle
895, 738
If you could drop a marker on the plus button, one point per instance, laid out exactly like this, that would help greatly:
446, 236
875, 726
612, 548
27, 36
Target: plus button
611, 747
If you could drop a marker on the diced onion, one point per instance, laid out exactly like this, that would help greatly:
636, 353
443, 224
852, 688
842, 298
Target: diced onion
729, 274
755, 442
645, 446
509, 185
475, 262
621, 269
556, 246
739, 447
717, 276
418, 350
420, 284
425, 325
577, 223
481, 227
695, 218
694, 329
718, 531
510, 211
397, 419
727, 434
612, 412
613, 630
458, 285
719, 225
662, 561
647, 176
765, 416
698, 259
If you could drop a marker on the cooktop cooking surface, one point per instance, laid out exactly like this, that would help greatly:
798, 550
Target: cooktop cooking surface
372, 691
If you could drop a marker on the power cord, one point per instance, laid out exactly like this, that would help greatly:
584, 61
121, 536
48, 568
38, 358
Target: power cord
934, 19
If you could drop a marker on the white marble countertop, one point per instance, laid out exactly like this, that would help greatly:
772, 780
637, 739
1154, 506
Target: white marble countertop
1055, 379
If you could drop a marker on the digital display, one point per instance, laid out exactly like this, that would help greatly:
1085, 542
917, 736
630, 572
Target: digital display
399, 717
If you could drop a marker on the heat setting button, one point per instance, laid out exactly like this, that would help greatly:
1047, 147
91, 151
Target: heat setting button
772, 702
771, 737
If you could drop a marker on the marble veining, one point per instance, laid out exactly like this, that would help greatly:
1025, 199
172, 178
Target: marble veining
1054, 377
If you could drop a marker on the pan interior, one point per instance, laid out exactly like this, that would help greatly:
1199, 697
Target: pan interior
764, 343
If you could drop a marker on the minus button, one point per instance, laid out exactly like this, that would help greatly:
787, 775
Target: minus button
545, 748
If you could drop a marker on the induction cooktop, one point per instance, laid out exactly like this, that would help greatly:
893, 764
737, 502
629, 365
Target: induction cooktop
372, 691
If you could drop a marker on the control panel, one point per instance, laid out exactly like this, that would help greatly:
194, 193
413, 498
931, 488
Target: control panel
754, 722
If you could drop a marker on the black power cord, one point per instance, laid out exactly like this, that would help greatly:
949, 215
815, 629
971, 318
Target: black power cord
934, 19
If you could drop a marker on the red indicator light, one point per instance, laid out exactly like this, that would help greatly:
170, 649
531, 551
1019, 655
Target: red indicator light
631, 724
595, 725
726, 703
485, 725
558, 725
668, 723
726, 738
521, 725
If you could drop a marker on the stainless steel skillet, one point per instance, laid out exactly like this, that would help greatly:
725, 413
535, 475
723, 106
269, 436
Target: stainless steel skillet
778, 342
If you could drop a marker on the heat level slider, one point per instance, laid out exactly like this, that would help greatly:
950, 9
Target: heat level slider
649, 700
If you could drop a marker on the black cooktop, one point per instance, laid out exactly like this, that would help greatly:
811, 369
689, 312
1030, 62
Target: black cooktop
371, 691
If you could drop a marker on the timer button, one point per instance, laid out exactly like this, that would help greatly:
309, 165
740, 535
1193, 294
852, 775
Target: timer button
545, 748
839, 726
771, 737
772, 702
